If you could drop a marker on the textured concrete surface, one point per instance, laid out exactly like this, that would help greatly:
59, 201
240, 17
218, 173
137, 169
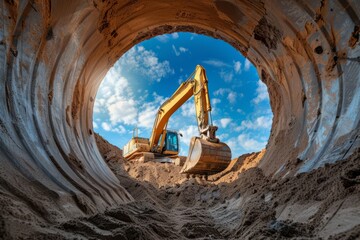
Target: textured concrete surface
54, 54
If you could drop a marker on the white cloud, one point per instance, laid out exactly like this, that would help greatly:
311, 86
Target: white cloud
262, 93
225, 122
162, 38
215, 101
120, 129
147, 116
260, 122
231, 97
247, 65
175, 51
109, 128
148, 111
264, 121
245, 142
221, 91
223, 136
115, 98
179, 51
175, 35
158, 100
146, 63
237, 67
250, 144
216, 63
193, 35
188, 132
182, 49
188, 108
95, 125
239, 110
123, 111
106, 126
227, 76
232, 143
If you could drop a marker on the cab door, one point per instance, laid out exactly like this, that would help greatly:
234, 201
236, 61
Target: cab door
171, 146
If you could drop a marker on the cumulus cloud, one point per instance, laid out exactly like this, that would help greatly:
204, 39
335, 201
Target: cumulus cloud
245, 142
225, 122
215, 101
188, 108
106, 126
221, 91
110, 128
147, 116
247, 65
214, 105
260, 122
188, 132
261, 93
162, 38
250, 144
148, 111
123, 111
120, 129
95, 125
227, 76
223, 136
237, 67
175, 35
232, 143
231, 97
146, 63
115, 98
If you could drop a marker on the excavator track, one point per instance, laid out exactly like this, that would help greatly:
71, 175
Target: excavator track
206, 158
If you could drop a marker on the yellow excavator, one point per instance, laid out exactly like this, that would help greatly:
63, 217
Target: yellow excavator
207, 155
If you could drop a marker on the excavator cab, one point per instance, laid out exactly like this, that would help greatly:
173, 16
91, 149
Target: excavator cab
171, 145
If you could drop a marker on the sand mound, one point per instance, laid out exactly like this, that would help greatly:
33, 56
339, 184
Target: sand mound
240, 203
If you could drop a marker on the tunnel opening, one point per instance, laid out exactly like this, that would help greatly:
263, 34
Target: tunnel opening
54, 58
150, 72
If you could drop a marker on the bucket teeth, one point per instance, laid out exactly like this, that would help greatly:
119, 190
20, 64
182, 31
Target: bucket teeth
206, 158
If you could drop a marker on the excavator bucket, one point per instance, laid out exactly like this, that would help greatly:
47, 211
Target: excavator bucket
206, 158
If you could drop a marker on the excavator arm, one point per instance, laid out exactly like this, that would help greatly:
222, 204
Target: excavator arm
196, 85
181, 95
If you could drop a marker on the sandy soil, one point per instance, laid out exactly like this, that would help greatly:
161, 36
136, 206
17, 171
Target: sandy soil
239, 203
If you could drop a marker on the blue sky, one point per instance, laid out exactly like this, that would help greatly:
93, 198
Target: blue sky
143, 78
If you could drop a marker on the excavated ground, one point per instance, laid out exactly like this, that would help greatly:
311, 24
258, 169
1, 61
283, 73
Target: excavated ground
239, 203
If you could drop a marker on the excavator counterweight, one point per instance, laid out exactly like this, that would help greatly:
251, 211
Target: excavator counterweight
207, 155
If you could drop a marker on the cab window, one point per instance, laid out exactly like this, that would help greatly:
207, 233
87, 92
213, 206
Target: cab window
172, 142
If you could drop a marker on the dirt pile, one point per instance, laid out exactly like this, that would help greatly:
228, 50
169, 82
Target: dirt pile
239, 204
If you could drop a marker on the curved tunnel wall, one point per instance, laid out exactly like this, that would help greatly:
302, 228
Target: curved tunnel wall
54, 55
